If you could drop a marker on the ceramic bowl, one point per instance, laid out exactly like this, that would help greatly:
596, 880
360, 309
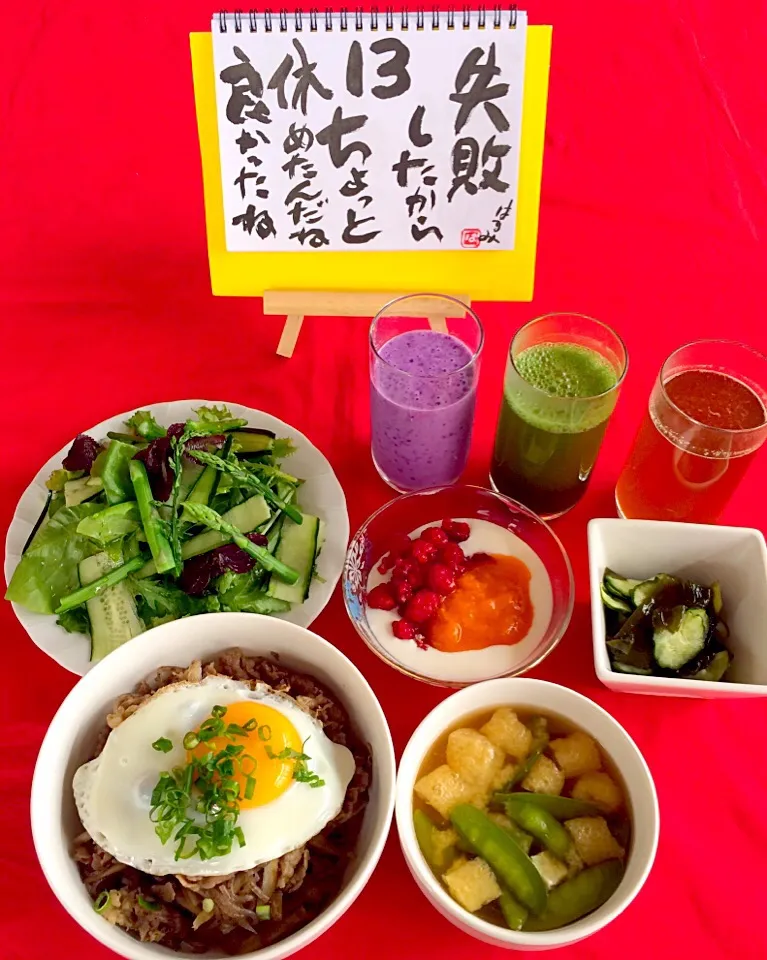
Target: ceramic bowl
551, 698
735, 556
72, 735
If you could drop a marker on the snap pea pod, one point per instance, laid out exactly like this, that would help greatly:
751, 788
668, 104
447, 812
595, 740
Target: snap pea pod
511, 865
438, 853
563, 808
513, 912
542, 825
576, 897
424, 831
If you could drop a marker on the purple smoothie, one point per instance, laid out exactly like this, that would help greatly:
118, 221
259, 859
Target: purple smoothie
422, 396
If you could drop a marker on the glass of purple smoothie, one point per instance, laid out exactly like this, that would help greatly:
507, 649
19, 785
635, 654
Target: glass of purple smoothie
424, 367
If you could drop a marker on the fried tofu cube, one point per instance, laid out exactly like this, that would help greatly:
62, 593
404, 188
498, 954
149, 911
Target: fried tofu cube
473, 757
443, 789
598, 788
576, 754
552, 870
544, 777
472, 884
507, 732
503, 776
593, 840
443, 846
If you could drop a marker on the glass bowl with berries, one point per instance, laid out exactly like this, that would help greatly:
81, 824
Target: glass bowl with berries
458, 584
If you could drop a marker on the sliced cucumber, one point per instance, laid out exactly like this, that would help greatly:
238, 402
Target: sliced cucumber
613, 603
252, 440
647, 589
245, 516
112, 613
205, 488
78, 491
682, 639
297, 549
716, 669
619, 586
190, 477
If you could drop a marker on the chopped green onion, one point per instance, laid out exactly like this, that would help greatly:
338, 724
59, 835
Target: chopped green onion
191, 740
218, 712
208, 905
102, 901
264, 732
264, 911
250, 787
147, 904
251, 769
250, 725
240, 836
163, 745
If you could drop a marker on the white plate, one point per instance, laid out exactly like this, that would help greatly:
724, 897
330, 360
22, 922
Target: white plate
321, 495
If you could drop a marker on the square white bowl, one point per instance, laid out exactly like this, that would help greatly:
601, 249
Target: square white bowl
735, 556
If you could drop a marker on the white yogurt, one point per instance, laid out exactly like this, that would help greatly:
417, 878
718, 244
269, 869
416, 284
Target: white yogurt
470, 665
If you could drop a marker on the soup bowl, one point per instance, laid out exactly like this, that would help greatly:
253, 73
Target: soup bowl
74, 730
615, 743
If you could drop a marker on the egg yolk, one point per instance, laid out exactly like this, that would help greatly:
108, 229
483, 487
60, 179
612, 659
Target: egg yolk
272, 730
491, 605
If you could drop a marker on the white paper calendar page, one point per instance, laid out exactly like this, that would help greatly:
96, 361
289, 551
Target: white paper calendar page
399, 132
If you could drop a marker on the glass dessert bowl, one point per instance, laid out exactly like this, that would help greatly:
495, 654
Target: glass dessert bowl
458, 584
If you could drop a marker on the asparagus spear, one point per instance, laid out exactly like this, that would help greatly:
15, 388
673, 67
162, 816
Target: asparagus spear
162, 554
246, 479
199, 513
90, 590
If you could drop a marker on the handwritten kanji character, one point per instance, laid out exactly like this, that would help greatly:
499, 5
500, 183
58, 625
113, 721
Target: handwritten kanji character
306, 80
480, 90
491, 179
247, 89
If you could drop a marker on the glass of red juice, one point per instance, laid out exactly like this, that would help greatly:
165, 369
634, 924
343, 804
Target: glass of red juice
706, 419
424, 366
563, 376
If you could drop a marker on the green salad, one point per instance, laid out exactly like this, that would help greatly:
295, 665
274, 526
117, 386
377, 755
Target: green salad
152, 524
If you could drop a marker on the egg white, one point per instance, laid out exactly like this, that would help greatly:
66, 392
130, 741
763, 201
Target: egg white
113, 792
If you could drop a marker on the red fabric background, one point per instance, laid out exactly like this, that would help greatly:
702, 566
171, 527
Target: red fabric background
654, 216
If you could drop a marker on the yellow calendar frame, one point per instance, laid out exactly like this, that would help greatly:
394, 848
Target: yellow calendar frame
484, 275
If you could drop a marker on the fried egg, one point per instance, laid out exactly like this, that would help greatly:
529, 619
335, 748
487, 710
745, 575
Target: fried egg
113, 792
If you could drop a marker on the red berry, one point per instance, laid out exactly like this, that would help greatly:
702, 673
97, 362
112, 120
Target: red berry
403, 630
422, 606
423, 551
402, 593
381, 597
457, 530
400, 545
441, 579
452, 556
403, 568
435, 535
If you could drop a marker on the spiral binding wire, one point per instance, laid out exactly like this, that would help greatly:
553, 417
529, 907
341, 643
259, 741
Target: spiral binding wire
269, 22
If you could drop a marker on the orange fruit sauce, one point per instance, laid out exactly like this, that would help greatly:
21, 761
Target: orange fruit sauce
490, 606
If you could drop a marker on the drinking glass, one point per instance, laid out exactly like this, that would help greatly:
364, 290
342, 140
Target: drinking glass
424, 367
704, 424
563, 376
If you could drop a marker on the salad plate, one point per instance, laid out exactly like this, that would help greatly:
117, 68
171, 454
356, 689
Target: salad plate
320, 495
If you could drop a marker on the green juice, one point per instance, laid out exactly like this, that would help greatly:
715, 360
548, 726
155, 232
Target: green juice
557, 401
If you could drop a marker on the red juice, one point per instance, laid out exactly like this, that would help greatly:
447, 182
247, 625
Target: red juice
692, 448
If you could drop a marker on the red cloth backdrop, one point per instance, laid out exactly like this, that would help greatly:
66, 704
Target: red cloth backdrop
654, 217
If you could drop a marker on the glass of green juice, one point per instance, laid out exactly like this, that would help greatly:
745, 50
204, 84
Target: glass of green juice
562, 379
